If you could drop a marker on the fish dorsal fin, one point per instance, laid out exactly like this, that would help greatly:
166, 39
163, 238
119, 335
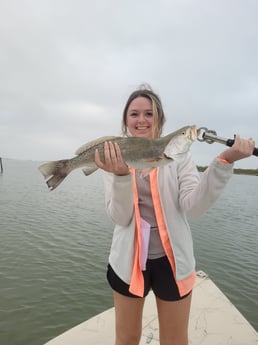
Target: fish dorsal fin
93, 143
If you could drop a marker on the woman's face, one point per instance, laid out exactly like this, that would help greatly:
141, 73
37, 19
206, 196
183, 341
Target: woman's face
139, 117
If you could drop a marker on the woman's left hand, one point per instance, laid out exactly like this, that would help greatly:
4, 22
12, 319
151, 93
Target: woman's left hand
242, 148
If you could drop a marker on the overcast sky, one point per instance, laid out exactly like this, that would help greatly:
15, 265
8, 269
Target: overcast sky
68, 66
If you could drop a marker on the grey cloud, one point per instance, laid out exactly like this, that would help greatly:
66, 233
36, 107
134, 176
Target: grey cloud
67, 68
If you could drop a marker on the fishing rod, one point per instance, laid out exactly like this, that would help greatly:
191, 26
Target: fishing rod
210, 136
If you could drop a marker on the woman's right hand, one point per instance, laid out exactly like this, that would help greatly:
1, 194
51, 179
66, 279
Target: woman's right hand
114, 162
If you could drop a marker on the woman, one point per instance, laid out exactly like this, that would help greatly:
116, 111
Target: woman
152, 245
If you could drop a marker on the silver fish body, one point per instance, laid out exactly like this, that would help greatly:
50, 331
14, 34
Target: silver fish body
137, 152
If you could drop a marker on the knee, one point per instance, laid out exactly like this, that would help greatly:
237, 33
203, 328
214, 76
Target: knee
132, 338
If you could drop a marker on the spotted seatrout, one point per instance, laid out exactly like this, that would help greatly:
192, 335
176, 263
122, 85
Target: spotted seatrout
137, 152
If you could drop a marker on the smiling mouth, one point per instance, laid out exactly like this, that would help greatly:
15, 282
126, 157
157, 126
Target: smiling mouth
142, 128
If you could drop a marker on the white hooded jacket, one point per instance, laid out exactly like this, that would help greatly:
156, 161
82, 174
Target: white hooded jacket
183, 192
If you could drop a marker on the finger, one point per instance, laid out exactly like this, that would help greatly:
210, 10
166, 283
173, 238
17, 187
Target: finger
97, 159
118, 152
251, 141
107, 153
113, 154
245, 146
237, 138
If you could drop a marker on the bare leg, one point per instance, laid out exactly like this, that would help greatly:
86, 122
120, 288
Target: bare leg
128, 313
173, 321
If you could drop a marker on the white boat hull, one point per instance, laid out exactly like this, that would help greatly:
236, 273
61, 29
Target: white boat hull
213, 321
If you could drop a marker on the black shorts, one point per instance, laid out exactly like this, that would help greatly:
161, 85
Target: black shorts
158, 277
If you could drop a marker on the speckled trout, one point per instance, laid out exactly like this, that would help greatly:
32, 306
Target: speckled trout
137, 152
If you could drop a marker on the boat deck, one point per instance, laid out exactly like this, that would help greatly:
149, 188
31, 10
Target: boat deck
213, 321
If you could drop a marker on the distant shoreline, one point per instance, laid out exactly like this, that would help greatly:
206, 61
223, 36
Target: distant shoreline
237, 171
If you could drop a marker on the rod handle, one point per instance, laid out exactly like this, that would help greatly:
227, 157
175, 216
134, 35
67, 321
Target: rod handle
230, 142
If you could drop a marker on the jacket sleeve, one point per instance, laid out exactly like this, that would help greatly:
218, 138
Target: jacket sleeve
198, 192
119, 198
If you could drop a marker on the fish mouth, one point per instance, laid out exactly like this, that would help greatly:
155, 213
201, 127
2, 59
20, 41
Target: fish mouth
194, 133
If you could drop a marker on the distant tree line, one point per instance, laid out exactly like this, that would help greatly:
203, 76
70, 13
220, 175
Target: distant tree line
238, 171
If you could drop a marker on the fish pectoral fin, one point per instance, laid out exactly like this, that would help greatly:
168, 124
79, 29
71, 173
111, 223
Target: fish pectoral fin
155, 160
167, 157
150, 163
165, 160
179, 157
89, 170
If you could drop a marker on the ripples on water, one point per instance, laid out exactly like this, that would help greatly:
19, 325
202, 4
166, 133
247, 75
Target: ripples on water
54, 248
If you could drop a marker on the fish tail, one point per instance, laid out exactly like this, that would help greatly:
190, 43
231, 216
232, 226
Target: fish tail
55, 172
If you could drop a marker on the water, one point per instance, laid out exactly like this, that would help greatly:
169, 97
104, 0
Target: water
54, 248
